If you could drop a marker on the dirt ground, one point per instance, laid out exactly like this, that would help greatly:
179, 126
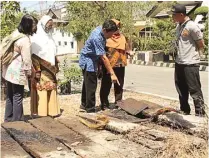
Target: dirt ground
70, 109
70, 103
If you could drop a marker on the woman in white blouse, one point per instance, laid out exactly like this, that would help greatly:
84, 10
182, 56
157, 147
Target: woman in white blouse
17, 72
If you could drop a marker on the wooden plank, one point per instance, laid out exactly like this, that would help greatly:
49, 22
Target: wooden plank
109, 141
132, 106
82, 145
10, 148
122, 115
39, 144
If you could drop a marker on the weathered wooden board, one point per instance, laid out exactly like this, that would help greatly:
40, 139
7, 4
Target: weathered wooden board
39, 144
10, 148
132, 106
82, 145
109, 141
123, 115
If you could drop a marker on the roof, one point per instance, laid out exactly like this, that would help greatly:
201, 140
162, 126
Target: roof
158, 11
54, 13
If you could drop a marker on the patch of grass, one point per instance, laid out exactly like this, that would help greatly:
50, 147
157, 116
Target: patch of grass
183, 146
74, 58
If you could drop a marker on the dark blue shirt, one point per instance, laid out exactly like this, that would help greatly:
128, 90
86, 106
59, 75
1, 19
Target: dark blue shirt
93, 49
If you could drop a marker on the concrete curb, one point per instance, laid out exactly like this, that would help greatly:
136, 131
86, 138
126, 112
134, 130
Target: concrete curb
162, 64
190, 101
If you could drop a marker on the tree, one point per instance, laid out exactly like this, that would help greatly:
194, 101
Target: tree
10, 17
205, 34
164, 33
201, 11
85, 16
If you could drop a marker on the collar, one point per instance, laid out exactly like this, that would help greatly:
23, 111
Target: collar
187, 19
102, 34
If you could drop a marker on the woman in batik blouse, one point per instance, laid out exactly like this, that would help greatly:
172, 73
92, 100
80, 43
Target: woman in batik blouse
117, 50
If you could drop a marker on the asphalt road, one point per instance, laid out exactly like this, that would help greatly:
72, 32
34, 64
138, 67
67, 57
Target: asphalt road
157, 80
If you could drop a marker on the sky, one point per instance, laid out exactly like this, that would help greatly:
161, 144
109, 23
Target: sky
35, 5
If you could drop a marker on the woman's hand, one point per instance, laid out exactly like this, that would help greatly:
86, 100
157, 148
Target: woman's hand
38, 75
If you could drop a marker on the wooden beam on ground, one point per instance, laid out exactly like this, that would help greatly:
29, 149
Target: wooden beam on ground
10, 148
109, 141
77, 142
35, 142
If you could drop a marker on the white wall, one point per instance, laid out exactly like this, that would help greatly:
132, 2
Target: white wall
65, 42
198, 19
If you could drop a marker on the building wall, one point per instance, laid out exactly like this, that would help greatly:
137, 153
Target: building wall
63, 13
66, 44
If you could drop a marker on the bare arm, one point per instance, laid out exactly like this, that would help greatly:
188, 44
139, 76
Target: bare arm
200, 46
109, 68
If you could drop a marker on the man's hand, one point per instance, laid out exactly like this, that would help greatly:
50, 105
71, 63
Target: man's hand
115, 79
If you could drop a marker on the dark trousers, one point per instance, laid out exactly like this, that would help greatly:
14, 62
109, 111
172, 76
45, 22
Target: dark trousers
107, 84
187, 81
88, 98
14, 102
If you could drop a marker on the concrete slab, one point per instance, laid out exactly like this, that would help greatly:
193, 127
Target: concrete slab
191, 122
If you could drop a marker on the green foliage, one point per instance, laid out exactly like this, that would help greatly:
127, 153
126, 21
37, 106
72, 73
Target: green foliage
201, 10
85, 16
205, 35
71, 74
10, 17
163, 33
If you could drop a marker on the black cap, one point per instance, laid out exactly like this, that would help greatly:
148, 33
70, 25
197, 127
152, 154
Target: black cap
178, 8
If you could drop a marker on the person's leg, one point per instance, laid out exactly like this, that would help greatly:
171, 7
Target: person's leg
34, 101
90, 85
18, 94
83, 95
120, 73
42, 103
194, 85
53, 105
182, 88
9, 103
106, 84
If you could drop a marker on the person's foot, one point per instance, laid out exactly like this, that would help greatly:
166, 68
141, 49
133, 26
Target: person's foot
200, 113
104, 106
82, 108
91, 110
184, 112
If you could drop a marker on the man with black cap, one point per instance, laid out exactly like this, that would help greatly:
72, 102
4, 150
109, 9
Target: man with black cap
190, 45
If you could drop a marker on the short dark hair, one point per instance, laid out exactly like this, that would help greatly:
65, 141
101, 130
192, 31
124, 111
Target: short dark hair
110, 26
26, 24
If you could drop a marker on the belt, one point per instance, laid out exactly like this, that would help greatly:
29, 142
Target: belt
190, 65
